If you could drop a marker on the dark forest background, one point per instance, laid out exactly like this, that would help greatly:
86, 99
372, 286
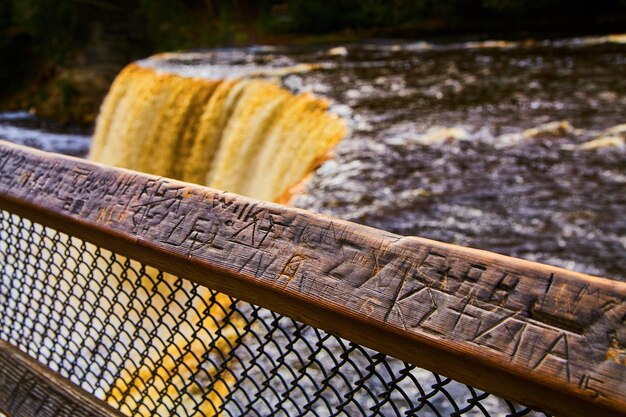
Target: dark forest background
59, 56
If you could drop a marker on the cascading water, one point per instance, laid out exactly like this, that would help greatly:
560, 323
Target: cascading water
245, 135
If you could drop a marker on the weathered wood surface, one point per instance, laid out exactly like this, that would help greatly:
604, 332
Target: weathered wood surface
541, 335
29, 389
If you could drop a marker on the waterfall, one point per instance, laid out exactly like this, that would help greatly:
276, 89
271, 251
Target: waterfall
247, 136
244, 135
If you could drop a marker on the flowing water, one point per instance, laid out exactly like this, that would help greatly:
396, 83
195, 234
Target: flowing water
246, 136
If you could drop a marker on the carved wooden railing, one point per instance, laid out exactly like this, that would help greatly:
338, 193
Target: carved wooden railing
540, 335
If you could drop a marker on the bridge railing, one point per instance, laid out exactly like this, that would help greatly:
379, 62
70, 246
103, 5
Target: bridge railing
276, 310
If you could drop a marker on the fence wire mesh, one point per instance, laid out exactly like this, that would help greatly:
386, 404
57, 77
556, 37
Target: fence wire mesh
152, 344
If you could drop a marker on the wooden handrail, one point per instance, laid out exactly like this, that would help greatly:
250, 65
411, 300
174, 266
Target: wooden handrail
540, 335
29, 389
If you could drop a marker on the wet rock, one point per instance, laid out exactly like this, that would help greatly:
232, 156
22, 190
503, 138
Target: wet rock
613, 137
543, 131
604, 142
338, 51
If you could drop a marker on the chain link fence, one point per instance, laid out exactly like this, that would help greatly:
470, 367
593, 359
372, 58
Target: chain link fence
152, 344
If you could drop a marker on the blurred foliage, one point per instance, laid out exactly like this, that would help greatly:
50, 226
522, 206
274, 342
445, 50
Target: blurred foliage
172, 25
55, 26
553, 8
317, 16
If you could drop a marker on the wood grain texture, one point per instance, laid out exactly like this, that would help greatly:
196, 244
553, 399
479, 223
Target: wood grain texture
29, 389
537, 334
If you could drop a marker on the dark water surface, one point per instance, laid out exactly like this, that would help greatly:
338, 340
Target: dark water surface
482, 147
478, 144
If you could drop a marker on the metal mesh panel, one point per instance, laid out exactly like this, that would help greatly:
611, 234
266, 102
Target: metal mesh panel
149, 343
